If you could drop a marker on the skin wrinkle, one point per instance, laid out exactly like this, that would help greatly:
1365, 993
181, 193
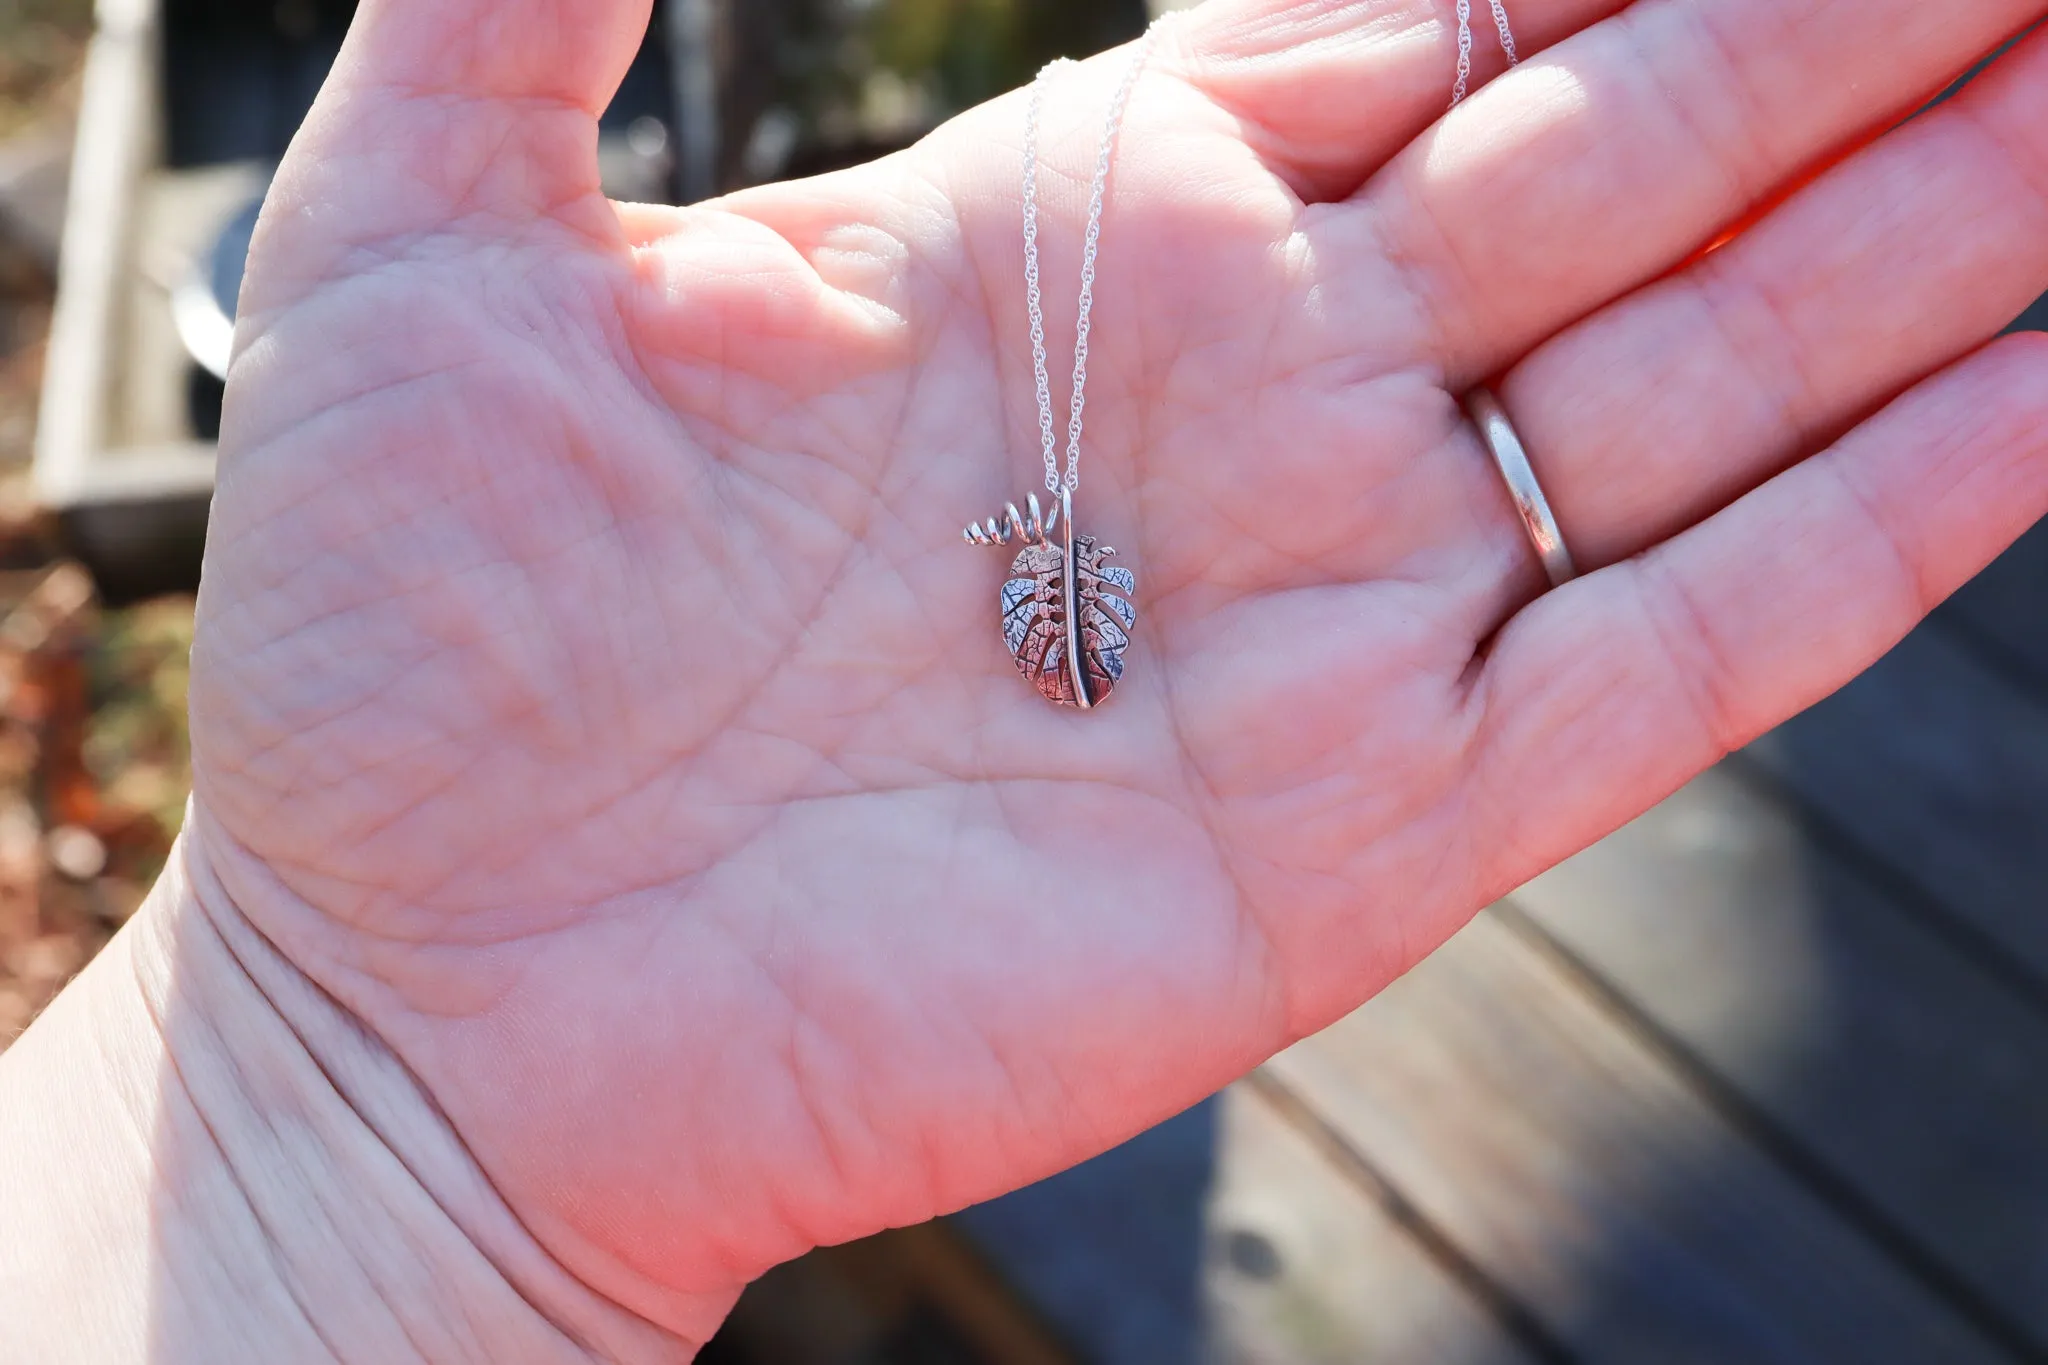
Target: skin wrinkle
1343, 241
682, 251
1062, 1116
283, 1277
249, 760
431, 588
1748, 168
608, 535
305, 428
365, 260
1289, 164
441, 1121
428, 795
283, 521
1437, 351
140, 1131
1196, 782
727, 453
976, 304
587, 99
2031, 171
756, 683
301, 728
626, 309
798, 639
1013, 355
479, 237
306, 1051
1919, 596
1496, 604
1770, 355
1067, 1115
289, 746
935, 1162
1501, 567
763, 470
797, 1229
797, 1016
1501, 825
571, 732
617, 906
1696, 665
670, 878
1311, 572
468, 205
606, 807
255, 325
889, 452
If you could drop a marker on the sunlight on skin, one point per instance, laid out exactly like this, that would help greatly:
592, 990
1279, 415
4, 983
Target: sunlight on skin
1544, 96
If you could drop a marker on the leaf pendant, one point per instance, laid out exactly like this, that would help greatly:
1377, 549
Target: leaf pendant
1067, 614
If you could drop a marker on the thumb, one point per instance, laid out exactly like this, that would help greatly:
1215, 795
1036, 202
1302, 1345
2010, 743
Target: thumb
473, 117
508, 54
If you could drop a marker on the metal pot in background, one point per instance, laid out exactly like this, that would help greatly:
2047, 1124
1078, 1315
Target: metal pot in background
194, 101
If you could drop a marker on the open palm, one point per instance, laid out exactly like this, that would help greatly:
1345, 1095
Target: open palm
594, 695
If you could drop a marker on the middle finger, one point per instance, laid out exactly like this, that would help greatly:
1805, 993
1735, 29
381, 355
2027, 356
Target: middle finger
1602, 164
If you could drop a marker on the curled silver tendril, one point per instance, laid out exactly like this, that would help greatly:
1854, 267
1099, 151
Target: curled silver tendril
1032, 530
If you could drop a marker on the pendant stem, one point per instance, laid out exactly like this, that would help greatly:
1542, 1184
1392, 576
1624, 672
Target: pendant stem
1076, 669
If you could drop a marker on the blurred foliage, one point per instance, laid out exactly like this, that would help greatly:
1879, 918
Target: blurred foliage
136, 748
39, 45
93, 752
94, 767
863, 76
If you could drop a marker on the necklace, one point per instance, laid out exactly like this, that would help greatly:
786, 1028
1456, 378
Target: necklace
1507, 45
1067, 614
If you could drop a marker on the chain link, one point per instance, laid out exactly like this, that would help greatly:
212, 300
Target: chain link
1091, 243
1507, 44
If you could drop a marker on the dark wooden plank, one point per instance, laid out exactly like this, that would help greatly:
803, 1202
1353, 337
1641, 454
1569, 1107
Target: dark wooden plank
1111, 1252
905, 1297
1226, 1236
2006, 606
1305, 1268
1914, 1085
1567, 1160
1937, 767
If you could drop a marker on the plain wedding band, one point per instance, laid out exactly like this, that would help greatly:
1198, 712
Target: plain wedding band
1512, 459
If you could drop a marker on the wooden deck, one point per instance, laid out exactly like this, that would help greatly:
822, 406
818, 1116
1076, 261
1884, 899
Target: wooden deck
1762, 1078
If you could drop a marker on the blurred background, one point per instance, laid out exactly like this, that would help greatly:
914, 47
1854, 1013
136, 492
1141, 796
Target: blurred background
1762, 1078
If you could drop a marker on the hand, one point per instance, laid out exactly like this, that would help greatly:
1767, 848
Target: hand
594, 696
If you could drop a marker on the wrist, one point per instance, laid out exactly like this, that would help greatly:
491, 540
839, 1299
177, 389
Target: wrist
204, 1158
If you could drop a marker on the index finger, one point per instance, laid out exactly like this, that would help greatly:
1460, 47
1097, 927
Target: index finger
1325, 92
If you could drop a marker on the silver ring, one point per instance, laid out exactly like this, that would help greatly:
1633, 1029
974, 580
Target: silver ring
1512, 458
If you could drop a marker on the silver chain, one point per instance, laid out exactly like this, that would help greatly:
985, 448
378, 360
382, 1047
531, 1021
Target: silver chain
1048, 441
1507, 44
1054, 482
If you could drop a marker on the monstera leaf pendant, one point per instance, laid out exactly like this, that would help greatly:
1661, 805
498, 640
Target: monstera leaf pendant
1067, 614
